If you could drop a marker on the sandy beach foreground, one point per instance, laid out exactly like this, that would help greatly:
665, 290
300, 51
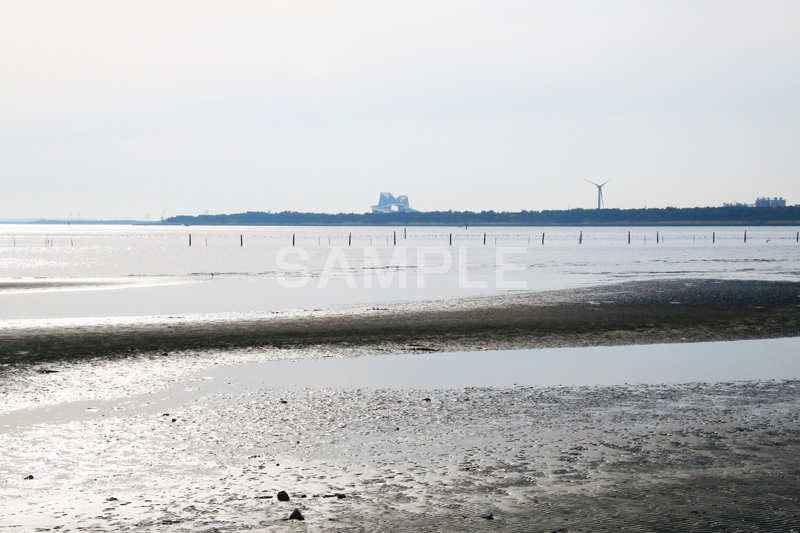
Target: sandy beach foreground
102, 432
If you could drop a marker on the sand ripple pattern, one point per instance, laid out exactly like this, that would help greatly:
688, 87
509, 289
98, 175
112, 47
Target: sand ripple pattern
698, 457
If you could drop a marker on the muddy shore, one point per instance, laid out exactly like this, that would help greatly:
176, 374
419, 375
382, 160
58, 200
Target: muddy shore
102, 432
625, 313
694, 457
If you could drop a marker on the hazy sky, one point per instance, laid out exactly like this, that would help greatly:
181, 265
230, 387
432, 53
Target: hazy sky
127, 108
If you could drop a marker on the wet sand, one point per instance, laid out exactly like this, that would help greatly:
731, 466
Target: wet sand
697, 457
138, 447
626, 313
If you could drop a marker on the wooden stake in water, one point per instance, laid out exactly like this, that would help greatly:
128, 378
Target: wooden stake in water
451, 239
745, 235
241, 240
190, 239
394, 238
292, 239
484, 239
404, 234
713, 237
350, 239
629, 237
656, 237
542, 237
580, 238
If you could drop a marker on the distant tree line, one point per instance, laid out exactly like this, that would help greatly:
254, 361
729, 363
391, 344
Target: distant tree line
729, 215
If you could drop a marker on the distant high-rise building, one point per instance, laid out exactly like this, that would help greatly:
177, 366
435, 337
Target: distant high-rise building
389, 204
770, 202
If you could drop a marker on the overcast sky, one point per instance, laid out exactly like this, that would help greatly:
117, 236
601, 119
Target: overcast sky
128, 108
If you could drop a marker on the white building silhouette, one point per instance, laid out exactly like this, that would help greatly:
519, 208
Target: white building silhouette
389, 204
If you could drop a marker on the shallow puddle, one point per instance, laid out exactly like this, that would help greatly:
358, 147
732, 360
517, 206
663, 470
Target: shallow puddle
601, 365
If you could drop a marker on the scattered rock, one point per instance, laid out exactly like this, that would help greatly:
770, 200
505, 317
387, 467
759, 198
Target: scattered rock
283, 496
489, 516
426, 399
111, 499
296, 515
341, 496
284, 401
29, 476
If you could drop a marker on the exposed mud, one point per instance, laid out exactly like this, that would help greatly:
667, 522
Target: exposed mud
699, 457
139, 449
626, 313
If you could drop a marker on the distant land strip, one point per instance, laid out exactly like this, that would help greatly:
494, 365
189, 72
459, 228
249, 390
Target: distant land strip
669, 216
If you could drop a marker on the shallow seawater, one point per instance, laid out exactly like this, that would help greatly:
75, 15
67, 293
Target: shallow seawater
638, 365
548, 367
152, 269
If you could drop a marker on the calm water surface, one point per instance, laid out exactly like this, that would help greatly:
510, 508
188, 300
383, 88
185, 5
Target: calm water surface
229, 269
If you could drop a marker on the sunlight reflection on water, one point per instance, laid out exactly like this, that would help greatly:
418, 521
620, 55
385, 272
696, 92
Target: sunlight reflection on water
158, 273
604, 365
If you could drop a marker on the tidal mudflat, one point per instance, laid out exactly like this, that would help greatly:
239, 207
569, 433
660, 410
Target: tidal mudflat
690, 457
103, 429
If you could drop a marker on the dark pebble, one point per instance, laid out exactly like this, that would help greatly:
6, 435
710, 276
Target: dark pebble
296, 515
283, 496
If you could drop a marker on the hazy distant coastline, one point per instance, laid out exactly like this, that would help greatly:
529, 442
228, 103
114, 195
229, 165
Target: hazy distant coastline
670, 216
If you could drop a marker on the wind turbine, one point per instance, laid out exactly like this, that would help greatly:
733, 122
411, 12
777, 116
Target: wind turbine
599, 192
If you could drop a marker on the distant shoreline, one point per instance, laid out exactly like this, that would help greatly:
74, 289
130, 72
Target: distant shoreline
774, 224
669, 216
